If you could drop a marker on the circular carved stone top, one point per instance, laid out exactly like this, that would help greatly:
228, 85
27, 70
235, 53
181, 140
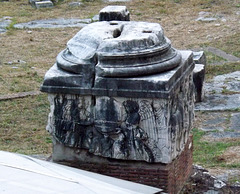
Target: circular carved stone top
120, 49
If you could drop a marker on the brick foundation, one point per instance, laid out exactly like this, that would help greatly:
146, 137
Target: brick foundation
169, 177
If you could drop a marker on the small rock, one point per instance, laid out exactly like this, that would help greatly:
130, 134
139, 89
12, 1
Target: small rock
223, 20
189, 31
203, 19
7, 18
219, 184
16, 62
217, 25
75, 4
95, 18
203, 13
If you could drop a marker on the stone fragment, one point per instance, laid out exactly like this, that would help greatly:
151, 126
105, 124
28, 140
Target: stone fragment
75, 4
235, 122
95, 18
222, 54
204, 13
203, 19
111, 13
4, 23
219, 102
54, 23
199, 74
223, 135
198, 79
200, 58
44, 4
32, 3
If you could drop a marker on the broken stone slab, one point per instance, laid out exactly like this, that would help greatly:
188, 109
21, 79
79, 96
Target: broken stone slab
198, 79
227, 174
19, 95
2, 30
199, 74
44, 4
235, 122
199, 57
219, 102
95, 18
213, 124
4, 23
54, 23
228, 83
75, 4
41, 3
110, 13
223, 135
222, 54
204, 19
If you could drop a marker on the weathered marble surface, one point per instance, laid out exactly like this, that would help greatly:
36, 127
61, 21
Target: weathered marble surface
110, 13
199, 74
153, 130
147, 129
112, 49
121, 91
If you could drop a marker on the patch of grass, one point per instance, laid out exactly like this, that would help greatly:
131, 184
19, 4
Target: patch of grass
211, 58
22, 125
19, 78
209, 154
228, 92
234, 179
230, 44
214, 70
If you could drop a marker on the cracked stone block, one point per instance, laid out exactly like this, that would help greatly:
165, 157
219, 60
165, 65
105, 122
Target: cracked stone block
111, 13
120, 100
199, 74
200, 58
121, 95
198, 79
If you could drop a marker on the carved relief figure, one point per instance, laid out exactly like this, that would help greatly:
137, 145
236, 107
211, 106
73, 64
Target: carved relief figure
135, 135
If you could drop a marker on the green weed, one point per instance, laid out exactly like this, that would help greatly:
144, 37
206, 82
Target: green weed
208, 154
